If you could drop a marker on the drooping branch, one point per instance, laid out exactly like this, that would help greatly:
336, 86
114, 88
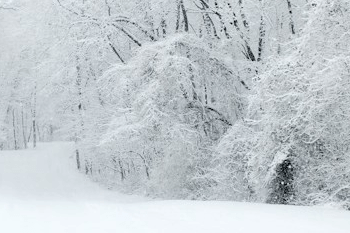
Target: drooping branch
208, 109
231, 73
115, 50
128, 34
144, 31
113, 22
68, 9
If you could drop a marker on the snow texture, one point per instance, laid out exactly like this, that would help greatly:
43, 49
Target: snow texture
41, 192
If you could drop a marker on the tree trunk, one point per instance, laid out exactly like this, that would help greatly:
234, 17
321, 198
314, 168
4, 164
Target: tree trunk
181, 11
262, 34
243, 16
291, 21
122, 174
77, 157
24, 133
80, 127
34, 119
14, 129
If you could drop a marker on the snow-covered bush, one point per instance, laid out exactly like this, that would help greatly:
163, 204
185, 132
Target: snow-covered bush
175, 98
302, 154
229, 168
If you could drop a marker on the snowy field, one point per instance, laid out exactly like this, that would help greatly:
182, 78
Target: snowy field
41, 192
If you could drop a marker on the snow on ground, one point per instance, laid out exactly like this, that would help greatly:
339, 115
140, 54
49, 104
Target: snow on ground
41, 192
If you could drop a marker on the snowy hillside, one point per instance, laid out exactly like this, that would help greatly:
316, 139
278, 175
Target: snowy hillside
42, 192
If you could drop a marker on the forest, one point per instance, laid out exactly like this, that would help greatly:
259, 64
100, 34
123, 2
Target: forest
239, 100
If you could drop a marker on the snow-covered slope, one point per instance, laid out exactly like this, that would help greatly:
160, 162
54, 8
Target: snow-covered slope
41, 192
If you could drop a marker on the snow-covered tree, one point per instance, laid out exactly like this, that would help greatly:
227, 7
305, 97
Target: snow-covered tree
170, 108
302, 155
